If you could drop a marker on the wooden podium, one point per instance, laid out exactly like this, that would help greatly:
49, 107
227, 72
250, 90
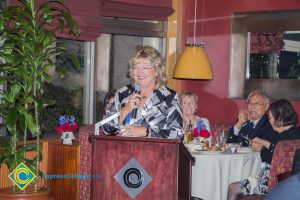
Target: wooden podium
166, 161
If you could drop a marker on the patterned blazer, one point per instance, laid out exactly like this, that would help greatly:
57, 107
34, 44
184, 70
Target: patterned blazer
161, 112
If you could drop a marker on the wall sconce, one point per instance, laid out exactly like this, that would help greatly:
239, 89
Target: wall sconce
193, 63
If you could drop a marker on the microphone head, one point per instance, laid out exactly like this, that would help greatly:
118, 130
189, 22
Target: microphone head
137, 88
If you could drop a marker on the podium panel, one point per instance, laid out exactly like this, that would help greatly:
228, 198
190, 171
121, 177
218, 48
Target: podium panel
140, 168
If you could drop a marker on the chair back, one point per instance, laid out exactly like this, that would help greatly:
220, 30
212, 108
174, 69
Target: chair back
283, 158
296, 163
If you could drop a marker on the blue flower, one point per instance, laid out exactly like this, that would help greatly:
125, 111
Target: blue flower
62, 120
200, 125
72, 120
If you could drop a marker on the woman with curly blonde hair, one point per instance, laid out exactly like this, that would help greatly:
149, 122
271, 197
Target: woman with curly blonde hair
148, 108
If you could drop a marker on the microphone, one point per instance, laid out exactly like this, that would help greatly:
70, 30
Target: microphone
137, 90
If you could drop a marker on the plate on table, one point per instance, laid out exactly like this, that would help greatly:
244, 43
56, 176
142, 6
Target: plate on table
193, 147
232, 144
209, 152
244, 150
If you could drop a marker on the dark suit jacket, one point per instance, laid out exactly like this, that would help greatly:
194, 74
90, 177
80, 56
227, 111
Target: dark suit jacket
262, 130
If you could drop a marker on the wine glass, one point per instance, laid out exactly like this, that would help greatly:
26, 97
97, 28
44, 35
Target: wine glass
223, 138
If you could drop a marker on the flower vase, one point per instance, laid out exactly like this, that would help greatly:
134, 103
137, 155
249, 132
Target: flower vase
67, 137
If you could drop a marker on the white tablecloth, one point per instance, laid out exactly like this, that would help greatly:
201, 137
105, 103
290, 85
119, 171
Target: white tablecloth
212, 174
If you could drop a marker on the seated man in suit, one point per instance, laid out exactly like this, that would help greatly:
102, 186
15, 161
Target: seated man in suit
252, 122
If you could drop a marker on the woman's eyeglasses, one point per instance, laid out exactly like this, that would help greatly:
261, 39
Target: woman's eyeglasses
142, 67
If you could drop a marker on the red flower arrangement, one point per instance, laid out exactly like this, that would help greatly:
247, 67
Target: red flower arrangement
203, 133
201, 130
66, 124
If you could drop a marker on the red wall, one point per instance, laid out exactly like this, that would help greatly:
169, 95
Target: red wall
213, 95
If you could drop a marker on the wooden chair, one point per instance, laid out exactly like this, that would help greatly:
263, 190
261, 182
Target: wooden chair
282, 162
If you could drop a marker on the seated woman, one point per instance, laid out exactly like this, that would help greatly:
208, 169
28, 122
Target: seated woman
283, 118
189, 103
147, 107
108, 101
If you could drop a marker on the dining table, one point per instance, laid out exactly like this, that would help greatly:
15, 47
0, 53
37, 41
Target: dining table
215, 170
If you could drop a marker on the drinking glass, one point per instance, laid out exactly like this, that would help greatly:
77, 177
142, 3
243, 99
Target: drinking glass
222, 138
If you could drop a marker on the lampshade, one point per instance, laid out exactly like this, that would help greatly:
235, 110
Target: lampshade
193, 63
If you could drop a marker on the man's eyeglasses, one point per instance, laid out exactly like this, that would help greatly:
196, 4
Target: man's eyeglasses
255, 104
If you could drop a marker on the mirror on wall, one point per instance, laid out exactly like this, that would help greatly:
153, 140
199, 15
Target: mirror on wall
265, 54
273, 55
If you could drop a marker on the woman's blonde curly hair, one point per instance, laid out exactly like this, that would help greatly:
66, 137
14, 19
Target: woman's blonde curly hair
155, 58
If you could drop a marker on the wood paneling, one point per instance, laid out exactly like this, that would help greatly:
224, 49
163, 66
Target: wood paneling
4, 181
64, 160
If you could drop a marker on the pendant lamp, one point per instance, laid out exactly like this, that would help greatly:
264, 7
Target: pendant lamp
193, 62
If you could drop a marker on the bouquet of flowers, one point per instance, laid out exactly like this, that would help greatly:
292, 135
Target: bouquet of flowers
201, 130
66, 124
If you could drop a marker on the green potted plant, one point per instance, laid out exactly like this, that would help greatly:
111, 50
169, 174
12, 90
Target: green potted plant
27, 40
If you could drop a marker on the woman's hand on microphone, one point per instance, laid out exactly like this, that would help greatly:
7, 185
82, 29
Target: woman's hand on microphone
133, 102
